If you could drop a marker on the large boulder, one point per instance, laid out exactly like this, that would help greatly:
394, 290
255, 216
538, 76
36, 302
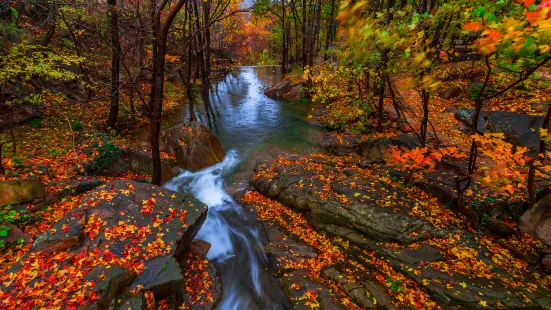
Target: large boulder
194, 145
19, 191
450, 93
278, 90
125, 236
12, 114
519, 129
537, 221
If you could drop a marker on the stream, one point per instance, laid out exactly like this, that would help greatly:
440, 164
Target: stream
250, 126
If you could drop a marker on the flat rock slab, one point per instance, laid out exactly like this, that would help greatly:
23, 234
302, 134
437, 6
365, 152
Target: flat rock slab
406, 228
322, 186
124, 235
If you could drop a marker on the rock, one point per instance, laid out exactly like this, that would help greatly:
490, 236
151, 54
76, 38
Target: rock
356, 292
295, 93
346, 144
364, 215
84, 186
409, 141
450, 110
197, 268
14, 235
162, 276
129, 301
380, 294
109, 281
297, 283
73, 188
124, 235
20, 191
12, 114
546, 262
278, 90
194, 145
540, 106
519, 129
374, 221
364, 210
499, 228
199, 247
450, 93
537, 220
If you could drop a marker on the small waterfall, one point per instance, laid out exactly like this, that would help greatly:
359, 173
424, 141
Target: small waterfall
236, 249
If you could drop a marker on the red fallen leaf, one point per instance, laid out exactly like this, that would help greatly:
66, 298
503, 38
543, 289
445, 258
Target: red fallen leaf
473, 26
529, 2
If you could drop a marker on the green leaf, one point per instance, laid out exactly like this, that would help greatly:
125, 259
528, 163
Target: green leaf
3, 233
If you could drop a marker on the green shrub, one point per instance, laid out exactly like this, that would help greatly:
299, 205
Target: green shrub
107, 153
76, 126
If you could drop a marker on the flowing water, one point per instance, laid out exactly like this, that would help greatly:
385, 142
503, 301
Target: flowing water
250, 126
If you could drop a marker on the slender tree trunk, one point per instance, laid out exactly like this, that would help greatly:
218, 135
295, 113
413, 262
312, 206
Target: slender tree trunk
425, 120
284, 41
329, 35
206, 20
115, 64
304, 35
159, 44
200, 46
532, 173
147, 110
2, 169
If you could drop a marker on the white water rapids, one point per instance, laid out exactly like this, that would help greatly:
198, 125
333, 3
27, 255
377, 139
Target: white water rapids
236, 249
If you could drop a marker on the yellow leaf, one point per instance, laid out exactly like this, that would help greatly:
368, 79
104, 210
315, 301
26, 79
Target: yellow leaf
463, 284
483, 303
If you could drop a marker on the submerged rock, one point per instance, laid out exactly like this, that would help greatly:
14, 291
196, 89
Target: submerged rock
194, 146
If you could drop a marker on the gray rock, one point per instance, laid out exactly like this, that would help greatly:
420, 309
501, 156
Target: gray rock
537, 221
519, 129
357, 293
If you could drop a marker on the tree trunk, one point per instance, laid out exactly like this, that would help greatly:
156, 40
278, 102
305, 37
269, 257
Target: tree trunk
2, 169
115, 64
283, 40
330, 23
159, 44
